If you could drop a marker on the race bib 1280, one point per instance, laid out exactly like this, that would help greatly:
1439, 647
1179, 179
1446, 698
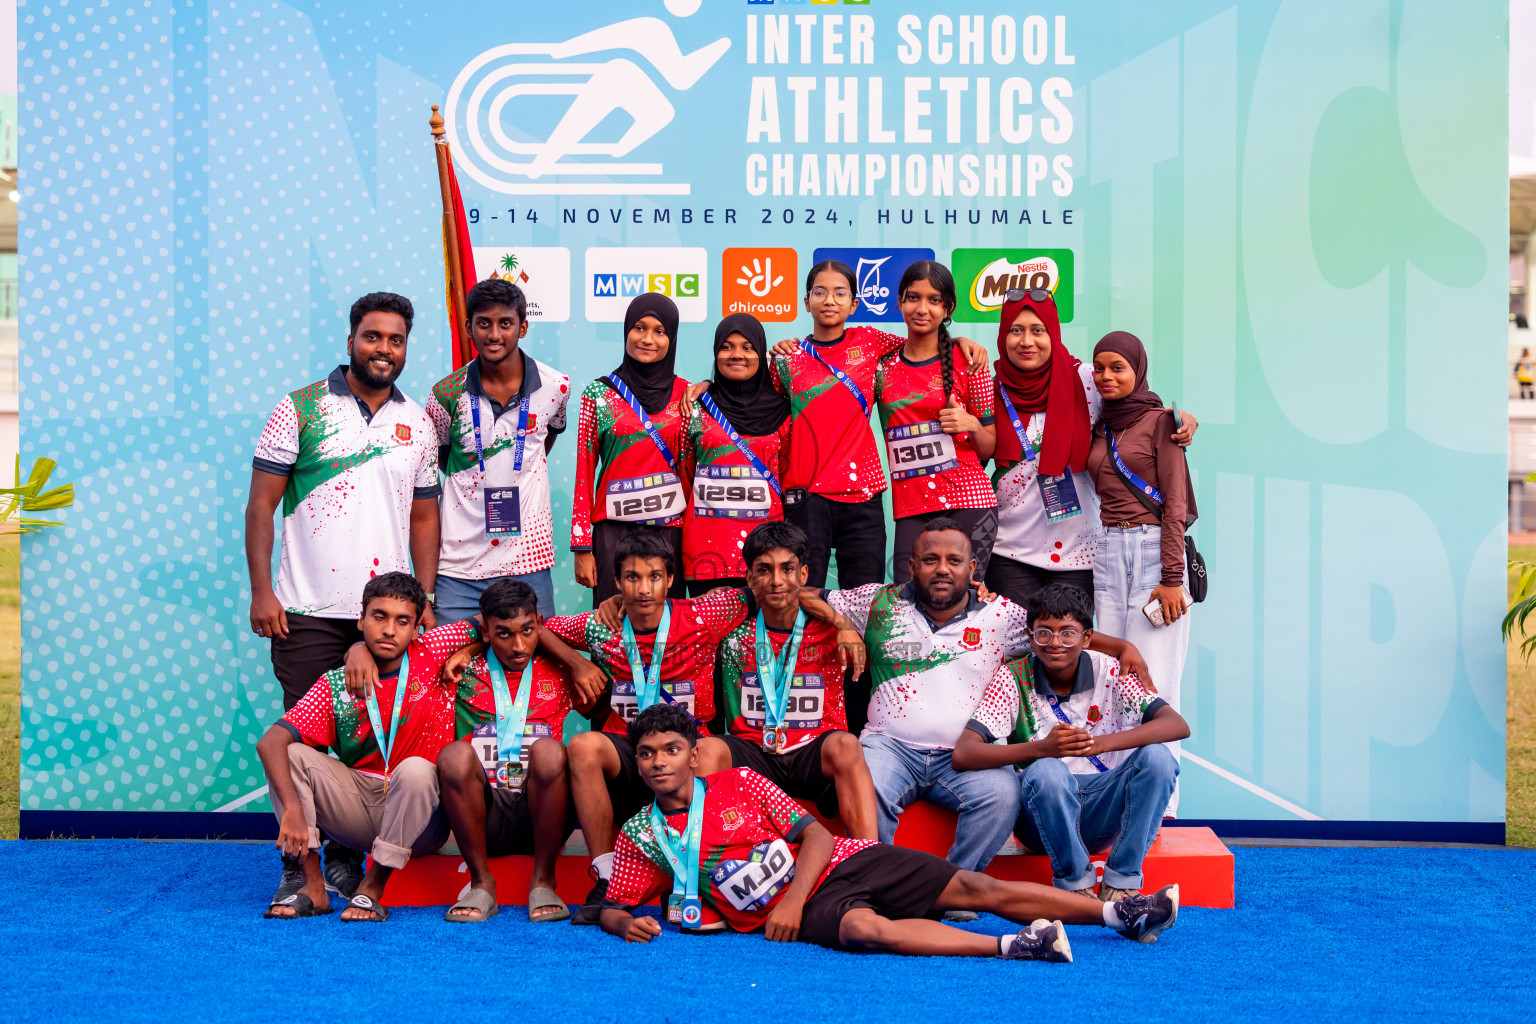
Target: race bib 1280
802, 709
627, 707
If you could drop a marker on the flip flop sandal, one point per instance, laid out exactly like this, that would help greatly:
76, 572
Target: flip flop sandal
539, 899
477, 900
378, 911
302, 906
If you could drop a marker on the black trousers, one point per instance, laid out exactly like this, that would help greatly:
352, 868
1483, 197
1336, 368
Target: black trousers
1019, 581
606, 535
855, 529
312, 648
979, 523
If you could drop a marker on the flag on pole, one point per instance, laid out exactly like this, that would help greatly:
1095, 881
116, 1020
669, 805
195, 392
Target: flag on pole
458, 253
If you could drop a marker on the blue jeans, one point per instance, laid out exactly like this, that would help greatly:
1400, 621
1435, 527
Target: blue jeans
1066, 815
460, 599
987, 801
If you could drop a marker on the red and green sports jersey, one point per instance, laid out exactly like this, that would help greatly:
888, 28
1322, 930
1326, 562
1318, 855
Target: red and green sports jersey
751, 835
930, 470
327, 717
728, 499
620, 473
688, 663
833, 452
816, 703
548, 705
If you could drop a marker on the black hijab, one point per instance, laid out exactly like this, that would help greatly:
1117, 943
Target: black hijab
752, 405
650, 382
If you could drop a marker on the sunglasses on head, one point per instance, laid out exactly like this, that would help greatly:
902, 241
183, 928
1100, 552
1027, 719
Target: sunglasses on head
1032, 294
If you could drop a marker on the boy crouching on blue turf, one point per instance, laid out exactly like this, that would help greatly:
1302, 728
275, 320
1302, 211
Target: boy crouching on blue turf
737, 843
1091, 739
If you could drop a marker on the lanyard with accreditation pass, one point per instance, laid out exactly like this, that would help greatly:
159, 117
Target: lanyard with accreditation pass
503, 505
775, 674
647, 678
1058, 493
684, 908
1056, 707
511, 718
387, 744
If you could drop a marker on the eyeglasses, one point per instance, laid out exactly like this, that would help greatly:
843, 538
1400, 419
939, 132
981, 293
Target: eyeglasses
841, 295
1032, 294
1068, 637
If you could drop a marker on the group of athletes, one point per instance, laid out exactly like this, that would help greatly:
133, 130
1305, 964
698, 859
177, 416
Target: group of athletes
720, 677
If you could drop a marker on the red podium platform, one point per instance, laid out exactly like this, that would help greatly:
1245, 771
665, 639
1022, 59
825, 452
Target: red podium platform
1193, 857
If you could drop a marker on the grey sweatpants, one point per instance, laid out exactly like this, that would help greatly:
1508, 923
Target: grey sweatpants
353, 808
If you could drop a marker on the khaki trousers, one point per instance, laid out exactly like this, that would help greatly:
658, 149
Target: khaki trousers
353, 808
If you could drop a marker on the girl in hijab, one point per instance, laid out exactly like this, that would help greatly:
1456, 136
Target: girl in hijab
628, 474
1145, 504
734, 449
937, 416
1045, 404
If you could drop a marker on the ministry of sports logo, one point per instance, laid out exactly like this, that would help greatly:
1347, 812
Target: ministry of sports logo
877, 272
495, 104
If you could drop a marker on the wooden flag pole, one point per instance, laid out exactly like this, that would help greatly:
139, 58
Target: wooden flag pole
450, 235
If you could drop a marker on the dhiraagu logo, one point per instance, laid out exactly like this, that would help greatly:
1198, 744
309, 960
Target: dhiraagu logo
615, 275
984, 276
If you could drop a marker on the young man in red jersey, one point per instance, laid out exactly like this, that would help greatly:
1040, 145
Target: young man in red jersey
789, 722
738, 844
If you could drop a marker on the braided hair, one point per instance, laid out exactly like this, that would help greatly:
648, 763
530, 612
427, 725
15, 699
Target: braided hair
943, 282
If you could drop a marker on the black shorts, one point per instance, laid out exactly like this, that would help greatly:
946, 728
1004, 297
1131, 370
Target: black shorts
893, 881
508, 822
627, 791
797, 773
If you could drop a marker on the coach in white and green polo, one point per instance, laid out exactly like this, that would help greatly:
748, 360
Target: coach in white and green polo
354, 464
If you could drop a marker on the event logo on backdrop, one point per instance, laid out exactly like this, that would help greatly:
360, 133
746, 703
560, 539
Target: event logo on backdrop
1184, 176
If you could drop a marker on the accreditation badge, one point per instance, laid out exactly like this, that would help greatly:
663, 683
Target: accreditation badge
1059, 494
503, 512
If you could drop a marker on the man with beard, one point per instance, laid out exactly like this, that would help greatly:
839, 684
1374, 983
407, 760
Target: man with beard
934, 649
353, 463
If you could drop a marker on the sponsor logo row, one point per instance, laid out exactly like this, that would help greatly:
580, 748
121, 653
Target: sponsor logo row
765, 282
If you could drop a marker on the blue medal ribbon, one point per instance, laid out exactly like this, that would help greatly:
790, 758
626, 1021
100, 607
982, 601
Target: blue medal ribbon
776, 673
682, 852
1125, 471
645, 420
741, 445
845, 380
511, 715
647, 678
387, 744
1092, 759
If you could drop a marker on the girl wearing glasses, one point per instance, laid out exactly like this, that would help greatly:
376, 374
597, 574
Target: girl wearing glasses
734, 449
937, 416
628, 474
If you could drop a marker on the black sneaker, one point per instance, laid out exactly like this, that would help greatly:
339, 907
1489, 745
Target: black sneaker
591, 910
1147, 917
293, 879
343, 869
1041, 940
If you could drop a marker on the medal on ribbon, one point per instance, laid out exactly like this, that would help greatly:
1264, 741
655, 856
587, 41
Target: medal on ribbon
511, 720
776, 674
387, 743
682, 851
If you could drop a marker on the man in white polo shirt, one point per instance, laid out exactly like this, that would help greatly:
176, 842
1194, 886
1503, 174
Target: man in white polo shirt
497, 418
353, 462
934, 646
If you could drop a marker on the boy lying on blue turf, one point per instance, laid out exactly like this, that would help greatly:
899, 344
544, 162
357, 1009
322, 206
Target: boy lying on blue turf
738, 843
1091, 739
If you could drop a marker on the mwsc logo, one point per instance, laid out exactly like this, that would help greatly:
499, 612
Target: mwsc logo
506, 140
616, 275
877, 272
984, 276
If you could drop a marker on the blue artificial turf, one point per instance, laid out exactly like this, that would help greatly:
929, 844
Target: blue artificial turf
123, 930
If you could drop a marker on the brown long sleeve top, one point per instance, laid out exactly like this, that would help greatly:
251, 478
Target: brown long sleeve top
1148, 449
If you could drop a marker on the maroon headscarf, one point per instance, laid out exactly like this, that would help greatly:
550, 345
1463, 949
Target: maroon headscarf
1120, 413
1055, 389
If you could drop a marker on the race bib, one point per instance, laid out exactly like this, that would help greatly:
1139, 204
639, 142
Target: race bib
753, 883
807, 697
654, 500
919, 449
484, 742
731, 492
627, 707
